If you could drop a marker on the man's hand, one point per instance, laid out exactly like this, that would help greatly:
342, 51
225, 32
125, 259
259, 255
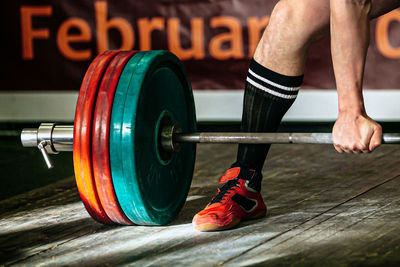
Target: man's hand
356, 133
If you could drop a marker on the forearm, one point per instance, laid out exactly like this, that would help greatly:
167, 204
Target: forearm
349, 45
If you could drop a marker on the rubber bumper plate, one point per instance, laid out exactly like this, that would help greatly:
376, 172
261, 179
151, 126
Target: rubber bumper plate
150, 188
100, 144
83, 136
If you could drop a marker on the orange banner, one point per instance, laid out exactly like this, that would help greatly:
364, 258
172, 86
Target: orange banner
49, 44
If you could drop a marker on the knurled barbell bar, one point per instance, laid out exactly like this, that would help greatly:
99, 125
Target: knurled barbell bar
60, 138
134, 135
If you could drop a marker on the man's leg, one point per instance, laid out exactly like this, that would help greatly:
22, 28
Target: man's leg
275, 73
274, 77
272, 84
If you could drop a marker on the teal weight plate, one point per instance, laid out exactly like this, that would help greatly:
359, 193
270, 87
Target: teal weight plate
150, 189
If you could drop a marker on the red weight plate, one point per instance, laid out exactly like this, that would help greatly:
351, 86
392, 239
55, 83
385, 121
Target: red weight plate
101, 135
83, 137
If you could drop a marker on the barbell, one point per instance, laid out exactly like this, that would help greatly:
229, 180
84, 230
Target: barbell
134, 138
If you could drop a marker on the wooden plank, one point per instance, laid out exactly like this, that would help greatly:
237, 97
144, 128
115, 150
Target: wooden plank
341, 238
38, 221
31, 198
302, 185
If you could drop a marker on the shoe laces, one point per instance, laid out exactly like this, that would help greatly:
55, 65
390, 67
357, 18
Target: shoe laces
225, 190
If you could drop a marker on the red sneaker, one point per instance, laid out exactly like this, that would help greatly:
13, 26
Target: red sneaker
238, 199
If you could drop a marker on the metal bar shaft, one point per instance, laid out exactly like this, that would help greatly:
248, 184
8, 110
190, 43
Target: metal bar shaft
62, 138
268, 138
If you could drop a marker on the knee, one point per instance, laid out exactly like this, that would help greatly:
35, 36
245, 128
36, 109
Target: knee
283, 12
293, 26
302, 22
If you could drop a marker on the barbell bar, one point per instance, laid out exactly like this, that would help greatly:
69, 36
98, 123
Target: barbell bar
60, 138
134, 135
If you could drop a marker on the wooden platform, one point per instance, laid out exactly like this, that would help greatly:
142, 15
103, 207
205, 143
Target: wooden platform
323, 208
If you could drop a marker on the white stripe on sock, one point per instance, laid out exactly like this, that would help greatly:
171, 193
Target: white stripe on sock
272, 83
272, 92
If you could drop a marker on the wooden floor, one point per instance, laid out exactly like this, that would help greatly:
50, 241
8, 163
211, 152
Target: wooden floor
323, 208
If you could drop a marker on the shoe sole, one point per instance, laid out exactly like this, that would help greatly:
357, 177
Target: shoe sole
233, 223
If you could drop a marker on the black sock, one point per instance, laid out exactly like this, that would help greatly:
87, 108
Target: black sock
268, 96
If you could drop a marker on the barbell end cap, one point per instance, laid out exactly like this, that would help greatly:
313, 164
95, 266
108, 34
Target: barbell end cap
29, 137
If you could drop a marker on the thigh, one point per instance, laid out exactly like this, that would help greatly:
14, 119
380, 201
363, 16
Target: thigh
319, 13
319, 9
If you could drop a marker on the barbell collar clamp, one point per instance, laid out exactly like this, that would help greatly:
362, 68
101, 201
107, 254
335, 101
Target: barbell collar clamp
58, 137
42, 148
167, 138
49, 138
